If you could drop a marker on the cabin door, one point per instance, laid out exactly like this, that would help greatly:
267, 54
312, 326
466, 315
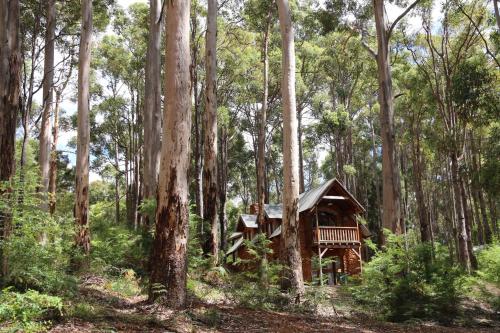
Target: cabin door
332, 269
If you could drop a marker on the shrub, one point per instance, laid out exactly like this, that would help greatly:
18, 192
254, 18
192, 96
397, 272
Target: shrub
404, 283
257, 285
28, 312
489, 263
114, 247
39, 251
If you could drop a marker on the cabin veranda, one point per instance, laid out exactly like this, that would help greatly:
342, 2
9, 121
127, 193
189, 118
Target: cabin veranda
331, 237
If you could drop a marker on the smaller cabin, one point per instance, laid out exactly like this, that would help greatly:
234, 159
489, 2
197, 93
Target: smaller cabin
328, 228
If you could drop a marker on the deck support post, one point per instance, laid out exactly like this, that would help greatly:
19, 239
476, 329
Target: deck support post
319, 249
359, 240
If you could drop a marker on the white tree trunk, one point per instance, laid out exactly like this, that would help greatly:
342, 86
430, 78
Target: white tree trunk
48, 73
169, 255
210, 198
152, 103
293, 278
261, 155
390, 174
83, 131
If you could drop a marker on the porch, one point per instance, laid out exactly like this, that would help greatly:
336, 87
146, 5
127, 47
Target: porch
337, 237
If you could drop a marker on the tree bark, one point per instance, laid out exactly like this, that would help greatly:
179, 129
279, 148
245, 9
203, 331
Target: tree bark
391, 213
117, 185
197, 126
83, 132
169, 255
423, 216
497, 13
53, 157
152, 104
261, 154
210, 197
293, 278
222, 173
10, 69
463, 251
48, 80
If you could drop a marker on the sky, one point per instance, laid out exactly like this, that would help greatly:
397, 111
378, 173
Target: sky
70, 107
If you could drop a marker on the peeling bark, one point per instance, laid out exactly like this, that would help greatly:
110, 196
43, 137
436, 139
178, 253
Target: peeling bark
210, 198
152, 104
83, 132
48, 74
10, 74
169, 255
293, 278
391, 213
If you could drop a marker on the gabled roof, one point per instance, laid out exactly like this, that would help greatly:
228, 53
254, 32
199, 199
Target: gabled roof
273, 211
250, 221
235, 246
235, 235
276, 232
309, 199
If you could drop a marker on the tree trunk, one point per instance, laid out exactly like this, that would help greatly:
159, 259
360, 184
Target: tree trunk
293, 279
223, 186
83, 132
463, 252
197, 149
53, 157
391, 214
48, 80
302, 185
152, 104
169, 255
497, 13
423, 216
117, 185
210, 195
261, 155
476, 185
10, 69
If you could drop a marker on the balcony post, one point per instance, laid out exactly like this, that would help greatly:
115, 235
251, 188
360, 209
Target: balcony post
319, 250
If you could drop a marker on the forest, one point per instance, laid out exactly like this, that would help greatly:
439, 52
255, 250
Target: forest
249, 165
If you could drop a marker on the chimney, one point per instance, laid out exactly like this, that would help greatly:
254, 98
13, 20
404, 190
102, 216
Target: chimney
254, 209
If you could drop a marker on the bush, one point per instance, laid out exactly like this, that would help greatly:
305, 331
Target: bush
257, 285
489, 263
404, 283
115, 247
28, 312
39, 251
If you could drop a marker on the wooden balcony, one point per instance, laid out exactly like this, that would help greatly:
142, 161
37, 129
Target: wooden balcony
337, 236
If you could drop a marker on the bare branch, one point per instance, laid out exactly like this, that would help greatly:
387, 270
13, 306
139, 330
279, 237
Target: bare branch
400, 17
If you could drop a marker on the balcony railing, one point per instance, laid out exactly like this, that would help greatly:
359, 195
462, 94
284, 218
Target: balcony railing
336, 235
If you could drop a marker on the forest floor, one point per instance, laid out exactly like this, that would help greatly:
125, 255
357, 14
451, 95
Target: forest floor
96, 308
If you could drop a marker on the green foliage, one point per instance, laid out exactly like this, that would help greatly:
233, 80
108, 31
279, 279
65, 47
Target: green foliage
114, 247
256, 286
40, 247
489, 264
39, 253
403, 283
27, 312
126, 284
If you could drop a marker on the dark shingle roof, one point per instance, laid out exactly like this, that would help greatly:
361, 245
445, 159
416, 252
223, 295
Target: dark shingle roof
273, 211
250, 221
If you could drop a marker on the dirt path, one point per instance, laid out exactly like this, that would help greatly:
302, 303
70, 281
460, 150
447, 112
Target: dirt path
102, 311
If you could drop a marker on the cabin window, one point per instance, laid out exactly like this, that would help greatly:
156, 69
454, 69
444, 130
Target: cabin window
328, 219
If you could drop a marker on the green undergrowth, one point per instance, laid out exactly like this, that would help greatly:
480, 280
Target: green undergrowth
28, 311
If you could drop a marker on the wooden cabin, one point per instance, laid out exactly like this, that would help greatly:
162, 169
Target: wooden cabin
328, 228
